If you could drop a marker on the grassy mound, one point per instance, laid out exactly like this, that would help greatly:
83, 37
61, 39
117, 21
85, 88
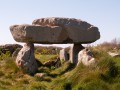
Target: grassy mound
104, 76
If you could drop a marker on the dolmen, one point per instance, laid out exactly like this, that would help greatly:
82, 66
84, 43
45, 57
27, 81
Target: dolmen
52, 30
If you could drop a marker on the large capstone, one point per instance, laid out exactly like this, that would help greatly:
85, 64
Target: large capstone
56, 31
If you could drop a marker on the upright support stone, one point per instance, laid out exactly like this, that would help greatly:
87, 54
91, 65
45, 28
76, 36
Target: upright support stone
64, 55
26, 59
75, 49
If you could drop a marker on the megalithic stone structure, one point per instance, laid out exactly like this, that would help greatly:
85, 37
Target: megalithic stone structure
26, 60
55, 30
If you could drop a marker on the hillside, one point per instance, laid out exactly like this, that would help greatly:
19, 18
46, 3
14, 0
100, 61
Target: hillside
104, 76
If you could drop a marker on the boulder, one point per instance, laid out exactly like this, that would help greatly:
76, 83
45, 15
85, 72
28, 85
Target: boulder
85, 56
56, 63
56, 31
114, 54
26, 60
41, 75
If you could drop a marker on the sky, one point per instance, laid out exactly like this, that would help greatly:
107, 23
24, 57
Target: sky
105, 14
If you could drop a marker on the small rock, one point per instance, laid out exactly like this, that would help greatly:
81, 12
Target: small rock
114, 54
55, 62
40, 74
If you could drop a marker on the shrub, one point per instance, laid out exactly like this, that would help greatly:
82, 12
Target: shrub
67, 86
4, 55
113, 70
116, 86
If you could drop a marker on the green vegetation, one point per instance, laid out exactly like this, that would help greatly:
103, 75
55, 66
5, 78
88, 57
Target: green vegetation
44, 58
4, 55
104, 76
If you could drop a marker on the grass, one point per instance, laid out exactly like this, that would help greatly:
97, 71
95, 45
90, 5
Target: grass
104, 76
4, 55
44, 58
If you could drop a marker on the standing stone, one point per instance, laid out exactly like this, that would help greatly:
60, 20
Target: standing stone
71, 53
26, 59
64, 55
75, 49
15, 53
85, 56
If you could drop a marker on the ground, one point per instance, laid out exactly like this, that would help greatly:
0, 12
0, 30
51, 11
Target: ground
104, 76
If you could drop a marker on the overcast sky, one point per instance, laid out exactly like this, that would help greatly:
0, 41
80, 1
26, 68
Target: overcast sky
105, 14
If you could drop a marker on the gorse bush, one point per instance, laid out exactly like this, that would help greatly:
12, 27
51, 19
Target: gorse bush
113, 46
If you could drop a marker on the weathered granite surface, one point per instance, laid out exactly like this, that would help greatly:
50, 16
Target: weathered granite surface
26, 60
85, 56
56, 31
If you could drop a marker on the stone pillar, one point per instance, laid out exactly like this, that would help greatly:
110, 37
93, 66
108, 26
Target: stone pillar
26, 60
64, 55
74, 50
